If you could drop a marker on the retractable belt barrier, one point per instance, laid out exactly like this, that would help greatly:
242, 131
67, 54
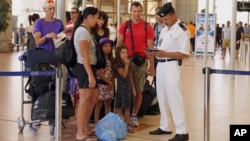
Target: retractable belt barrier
58, 74
207, 72
27, 73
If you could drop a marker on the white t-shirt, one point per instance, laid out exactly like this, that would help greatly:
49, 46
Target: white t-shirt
82, 33
227, 33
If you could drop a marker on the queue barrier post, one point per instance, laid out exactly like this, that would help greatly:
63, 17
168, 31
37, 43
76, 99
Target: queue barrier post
58, 114
206, 71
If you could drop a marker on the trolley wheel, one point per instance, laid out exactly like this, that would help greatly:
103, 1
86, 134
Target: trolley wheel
21, 124
63, 124
52, 130
33, 129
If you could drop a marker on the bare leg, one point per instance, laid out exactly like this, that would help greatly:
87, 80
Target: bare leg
223, 53
137, 102
86, 105
236, 53
107, 104
127, 120
98, 107
92, 102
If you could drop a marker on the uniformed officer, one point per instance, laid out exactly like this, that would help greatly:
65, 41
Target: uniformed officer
173, 46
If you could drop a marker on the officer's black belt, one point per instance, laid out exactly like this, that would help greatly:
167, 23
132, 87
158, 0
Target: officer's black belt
166, 60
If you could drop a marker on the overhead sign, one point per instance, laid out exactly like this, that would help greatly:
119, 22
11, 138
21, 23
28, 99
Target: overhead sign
243, 6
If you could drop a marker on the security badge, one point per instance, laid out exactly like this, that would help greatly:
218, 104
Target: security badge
162, 15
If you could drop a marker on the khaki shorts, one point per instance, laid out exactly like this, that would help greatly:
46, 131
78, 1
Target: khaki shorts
139, 75
226, 43
237, 45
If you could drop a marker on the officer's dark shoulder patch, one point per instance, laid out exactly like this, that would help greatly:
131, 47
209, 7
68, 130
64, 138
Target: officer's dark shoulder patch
183, 27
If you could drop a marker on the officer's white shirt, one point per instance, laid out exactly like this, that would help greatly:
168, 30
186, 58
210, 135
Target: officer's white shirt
174, 39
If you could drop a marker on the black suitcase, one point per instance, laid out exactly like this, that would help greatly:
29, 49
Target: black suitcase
43, 108
148, 95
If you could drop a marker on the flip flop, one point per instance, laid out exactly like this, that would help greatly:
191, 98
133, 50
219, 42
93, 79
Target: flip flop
92, 139
84, 139
92, 133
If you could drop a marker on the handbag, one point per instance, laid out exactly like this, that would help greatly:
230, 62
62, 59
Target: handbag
137, 59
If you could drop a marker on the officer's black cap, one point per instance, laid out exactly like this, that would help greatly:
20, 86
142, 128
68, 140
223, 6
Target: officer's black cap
166, 8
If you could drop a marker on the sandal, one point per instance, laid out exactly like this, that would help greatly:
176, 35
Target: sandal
92, 133
130, 129
92, 139
84, 139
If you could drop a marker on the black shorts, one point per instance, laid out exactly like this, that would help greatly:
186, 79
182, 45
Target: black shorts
82, 76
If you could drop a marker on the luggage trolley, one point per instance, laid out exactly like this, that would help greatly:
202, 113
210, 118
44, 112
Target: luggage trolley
29, 59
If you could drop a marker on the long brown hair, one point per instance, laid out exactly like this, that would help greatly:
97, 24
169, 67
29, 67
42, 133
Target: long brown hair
118, 50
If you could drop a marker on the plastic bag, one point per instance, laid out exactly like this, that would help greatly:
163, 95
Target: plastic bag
111, 128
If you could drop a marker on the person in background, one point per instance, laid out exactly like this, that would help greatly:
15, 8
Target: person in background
246, 28
191, 29
157, 31
31, 43
32, 20
157, 27
125, 86
105, 79
85, 70
48, 27
142, 37
101, 28
226, 39
70, 24
113, 31
22, 34
218, 35
169, 89
69, 27
239, 38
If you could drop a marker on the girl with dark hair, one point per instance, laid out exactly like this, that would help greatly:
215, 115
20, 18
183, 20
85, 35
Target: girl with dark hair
105, 79
32, 20
101, 28
125, 86
31, 43
84, 70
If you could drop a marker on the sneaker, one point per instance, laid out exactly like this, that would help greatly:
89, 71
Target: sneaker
134, 122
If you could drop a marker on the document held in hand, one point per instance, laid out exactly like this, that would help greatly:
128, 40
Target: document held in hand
60, 38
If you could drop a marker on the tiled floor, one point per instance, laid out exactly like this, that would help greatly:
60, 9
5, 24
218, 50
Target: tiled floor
229, 104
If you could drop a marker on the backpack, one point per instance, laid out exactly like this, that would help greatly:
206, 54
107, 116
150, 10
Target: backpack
31, 44
101, 61
66, 55
37, 85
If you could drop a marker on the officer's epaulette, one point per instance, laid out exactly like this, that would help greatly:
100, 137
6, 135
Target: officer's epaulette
183, 27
